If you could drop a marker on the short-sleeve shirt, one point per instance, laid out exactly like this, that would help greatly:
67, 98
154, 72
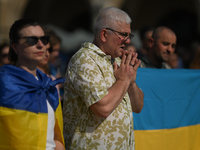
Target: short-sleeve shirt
89, 76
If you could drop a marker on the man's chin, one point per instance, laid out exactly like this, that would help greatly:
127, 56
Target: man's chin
115, 56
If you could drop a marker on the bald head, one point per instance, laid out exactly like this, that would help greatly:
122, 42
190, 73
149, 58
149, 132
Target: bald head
159, 30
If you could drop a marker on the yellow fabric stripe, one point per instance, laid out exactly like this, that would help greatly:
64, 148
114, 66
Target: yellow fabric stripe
21, 129
59, 123
183, 138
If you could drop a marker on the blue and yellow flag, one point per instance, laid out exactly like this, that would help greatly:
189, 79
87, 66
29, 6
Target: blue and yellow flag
170, 119
23, 109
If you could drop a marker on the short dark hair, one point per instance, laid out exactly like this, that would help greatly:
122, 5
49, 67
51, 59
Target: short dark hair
54, 38
143, 32
14, 35
2, 45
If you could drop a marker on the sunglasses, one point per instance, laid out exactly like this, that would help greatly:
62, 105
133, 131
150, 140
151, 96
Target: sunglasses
33, 40
50, 49
4, 55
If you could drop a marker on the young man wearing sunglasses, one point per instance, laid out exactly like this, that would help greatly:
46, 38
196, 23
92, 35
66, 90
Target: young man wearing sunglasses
100, 95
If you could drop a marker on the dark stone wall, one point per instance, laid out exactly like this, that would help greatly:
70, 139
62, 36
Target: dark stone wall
67, 14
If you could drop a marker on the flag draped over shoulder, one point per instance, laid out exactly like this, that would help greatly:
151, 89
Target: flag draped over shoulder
170, 119
23, 108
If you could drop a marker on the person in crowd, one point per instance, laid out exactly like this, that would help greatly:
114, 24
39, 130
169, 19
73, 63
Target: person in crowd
131, 47
174, 61
145, 34
4, 49
43, 64
29, 103
99, 97
195, 63
161, 47
44, 67
54, 61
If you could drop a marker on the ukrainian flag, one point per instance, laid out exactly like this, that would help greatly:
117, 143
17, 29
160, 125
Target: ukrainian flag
170, 119
23, 109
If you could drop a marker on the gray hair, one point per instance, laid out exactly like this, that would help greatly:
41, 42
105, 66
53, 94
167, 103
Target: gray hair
107, 18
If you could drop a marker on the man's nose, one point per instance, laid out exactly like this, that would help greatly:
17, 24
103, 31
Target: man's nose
128, 40
170, 48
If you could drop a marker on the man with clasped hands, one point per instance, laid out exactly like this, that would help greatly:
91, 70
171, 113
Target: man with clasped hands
100, 95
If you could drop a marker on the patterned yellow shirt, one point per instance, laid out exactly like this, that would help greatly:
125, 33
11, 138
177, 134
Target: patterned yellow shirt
88, 78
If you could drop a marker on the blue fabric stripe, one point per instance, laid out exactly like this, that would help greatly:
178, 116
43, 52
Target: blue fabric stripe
171, 98
20, 90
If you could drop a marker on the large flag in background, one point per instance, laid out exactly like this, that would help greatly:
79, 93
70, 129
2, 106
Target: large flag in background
170, 119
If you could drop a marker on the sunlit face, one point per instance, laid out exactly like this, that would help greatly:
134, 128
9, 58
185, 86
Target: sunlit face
165, 45
30, 54
146, 40
55, 53
46, 57
115, 42
4, 55
173, 61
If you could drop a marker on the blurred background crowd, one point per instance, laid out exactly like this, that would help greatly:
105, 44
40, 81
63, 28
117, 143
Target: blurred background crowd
71, 23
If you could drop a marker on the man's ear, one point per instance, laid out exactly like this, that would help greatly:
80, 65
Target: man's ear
151, 42
103, 35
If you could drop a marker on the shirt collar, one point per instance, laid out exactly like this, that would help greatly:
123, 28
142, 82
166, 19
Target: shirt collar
98, 51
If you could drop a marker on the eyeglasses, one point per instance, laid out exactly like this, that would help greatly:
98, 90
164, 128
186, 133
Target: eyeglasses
33, 40
125, 36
